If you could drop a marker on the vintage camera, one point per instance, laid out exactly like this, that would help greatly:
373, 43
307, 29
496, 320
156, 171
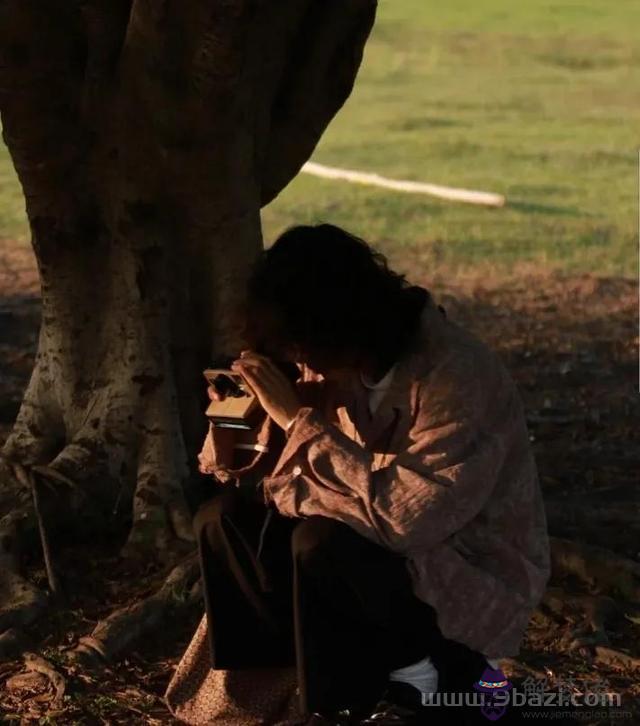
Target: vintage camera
240, 408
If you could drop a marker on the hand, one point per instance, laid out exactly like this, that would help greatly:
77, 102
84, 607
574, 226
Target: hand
276, 394
214, 395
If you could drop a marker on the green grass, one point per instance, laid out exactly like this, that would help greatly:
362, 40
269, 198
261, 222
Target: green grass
538, 100
13, 222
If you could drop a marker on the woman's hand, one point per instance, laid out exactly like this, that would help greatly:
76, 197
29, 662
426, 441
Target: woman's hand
213, 394
276, 394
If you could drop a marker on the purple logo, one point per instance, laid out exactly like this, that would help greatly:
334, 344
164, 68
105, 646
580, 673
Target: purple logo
494, 686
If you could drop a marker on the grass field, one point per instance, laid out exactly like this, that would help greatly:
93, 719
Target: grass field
538, 100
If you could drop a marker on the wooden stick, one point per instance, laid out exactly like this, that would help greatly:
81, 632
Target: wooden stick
454, 194
54, 583
26, 477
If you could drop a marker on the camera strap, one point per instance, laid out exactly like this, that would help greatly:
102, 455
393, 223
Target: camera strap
252, 447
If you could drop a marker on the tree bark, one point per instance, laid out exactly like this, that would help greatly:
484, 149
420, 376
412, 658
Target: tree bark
146, 135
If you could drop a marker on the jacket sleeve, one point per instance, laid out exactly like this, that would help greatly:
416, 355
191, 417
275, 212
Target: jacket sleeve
429, 491
241, 457
244, 465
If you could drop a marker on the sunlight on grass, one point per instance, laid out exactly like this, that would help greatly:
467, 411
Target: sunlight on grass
539, 101
13, 223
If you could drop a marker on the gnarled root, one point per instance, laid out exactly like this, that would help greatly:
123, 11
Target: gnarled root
596, 567
589, 614
616, 658
21, 603
114, 634
37, 675
32, 503
515, 668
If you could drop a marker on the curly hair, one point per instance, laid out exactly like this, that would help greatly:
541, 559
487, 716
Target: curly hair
327, 291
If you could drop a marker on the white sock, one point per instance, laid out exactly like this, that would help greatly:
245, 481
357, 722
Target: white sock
421, 675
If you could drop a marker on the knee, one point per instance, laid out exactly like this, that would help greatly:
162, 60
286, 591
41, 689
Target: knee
316, 537
211, 512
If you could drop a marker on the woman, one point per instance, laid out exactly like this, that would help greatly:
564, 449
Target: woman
387, 533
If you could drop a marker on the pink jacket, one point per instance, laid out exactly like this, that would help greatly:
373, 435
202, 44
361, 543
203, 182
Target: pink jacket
443, 474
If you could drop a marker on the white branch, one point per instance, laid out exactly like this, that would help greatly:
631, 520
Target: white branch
435, 190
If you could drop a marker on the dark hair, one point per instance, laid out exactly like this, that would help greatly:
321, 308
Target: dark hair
328, 292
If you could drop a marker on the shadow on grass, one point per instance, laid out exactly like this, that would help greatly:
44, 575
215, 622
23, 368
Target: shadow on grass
536, 208
425, 122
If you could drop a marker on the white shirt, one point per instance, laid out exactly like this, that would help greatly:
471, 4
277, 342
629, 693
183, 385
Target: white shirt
377, 390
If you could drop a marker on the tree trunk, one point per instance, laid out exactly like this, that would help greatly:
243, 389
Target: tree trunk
146, 136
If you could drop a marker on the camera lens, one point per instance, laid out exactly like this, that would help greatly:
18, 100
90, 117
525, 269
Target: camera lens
226, 386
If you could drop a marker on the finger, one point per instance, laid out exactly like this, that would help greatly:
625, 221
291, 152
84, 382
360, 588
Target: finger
251, 355
254, 369
248, 364
239, 365
260, 374
265, 365
253, 380
214, 395
268, 371
266, 382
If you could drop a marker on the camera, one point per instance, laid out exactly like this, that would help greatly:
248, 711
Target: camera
240, 408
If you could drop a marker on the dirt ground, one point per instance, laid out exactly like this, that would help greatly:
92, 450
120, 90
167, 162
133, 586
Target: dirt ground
571, 344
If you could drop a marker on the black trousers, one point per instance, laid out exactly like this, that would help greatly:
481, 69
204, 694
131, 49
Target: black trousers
315, 594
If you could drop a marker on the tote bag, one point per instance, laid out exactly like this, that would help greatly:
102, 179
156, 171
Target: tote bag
200, 696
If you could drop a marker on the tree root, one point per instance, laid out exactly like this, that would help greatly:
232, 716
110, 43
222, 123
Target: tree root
38, 664
517, 668
542, 618
38, 672
591, 638
27, 681
596, 567
8, 474
21, 603
28, 479
616, 658
596, 611
114, 634
13, 642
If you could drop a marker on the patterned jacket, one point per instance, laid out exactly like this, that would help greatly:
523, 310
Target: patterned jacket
443, 474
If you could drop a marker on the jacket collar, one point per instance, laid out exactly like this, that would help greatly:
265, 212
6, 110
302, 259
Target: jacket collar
399, 399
